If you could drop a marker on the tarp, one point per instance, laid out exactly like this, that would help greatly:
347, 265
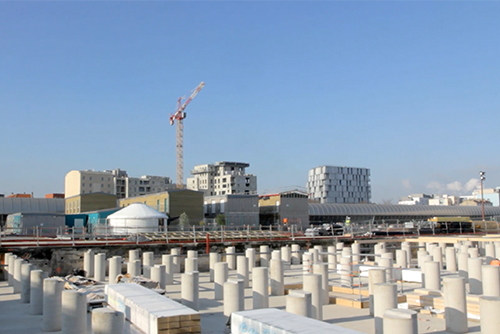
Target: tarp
137, 211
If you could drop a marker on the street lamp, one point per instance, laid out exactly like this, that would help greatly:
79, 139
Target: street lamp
481, 174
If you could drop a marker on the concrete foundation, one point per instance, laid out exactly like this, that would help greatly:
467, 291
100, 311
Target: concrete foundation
190, 287
400, 321
332, 258
455, 311
213, 258
17, 274
250, 255
234, 298
296, 255
356, 252
277, 282
475, 277
88, 263
242, 270
26, 269
491, 281
158, 274
107, 321
345, 271
385, 297
265, 255
312, 284
260, 287
299, 302
36, 291
463, 265
115, 268
432, 275
52, 306
322, 269
176, 253
231, 257
451, 259
401, 258
190, 264
74, 312
375, 276
489, 311
100, 267
134, 268
220, 277
168, 261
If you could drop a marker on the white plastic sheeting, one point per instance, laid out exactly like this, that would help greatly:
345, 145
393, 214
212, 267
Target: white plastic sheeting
135, 218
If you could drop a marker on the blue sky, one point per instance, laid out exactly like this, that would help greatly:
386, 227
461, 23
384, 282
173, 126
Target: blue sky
410, 90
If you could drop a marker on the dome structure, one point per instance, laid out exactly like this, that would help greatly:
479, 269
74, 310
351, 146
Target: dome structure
135, 218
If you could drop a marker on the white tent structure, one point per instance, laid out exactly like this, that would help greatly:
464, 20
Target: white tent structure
135, 218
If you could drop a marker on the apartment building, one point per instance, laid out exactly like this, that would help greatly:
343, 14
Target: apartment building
223, 178
332, 184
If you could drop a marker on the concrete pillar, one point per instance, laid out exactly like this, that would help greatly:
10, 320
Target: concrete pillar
400, 321
231, 257
455, 308
52, 307
296, 256
490, 250
134, 268
192, 254
401, 258
388, 264
36, 291
345, 271
176, 253
88, 263
6, 267
332, 258
432, 275
260, 287
406, 246
11, 269
213, 258
148, 259
322, 269
491, 281
307, 262
277, 281
317, 253
375, 276
429, 246
264, 256
276, 255
190, 264
115, 268
473, 252
26, 269
234, 297
420, 257
437, 256
190, 287
385, 297
451, 259
74, 312
347, 252
250, 255
312, 284
242, 270
168, 261
489, 309
107, 321
134, 254
158, 274
220, 277
338, 249
463, 265
475, 278
286, 256
17, 274
387, 255
356, 251
299, 302
100, 267
464, 248
497, 248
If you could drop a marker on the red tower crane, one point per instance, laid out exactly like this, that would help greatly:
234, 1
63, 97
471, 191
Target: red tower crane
179, 115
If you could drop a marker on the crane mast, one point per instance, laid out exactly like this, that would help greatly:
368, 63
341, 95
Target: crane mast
179, 116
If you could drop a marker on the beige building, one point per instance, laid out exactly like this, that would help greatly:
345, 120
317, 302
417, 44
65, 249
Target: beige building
89, 202
223, 178
173, 202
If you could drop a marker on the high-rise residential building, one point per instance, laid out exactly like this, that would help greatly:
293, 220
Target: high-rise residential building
332, 184
223, 178
116, 182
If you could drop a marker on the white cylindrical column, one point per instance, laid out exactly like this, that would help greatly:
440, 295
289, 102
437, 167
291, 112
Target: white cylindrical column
250, 255
176, 253
17, 274
234, 298
88, 263
190, 264
312, 284
242, 270
332, 258
12, 259
463, 265
276, 255
420, 257
6, 267
400, 321
148, 259
307, 262
36, 291
345, 271
107, 321
277, 278
74, 312
388, 264
192, 254
451, 259
375, 276
475, 278
260, 287
286, 254
231, 257
385, 297
347, 252
115, 268
100, 267
220, 277
134, 254
299, 302
406, 246
26, 269
134, 268
455, 307
265, 256
338, 249
52, 313
356, 252
432, 275
168, 261
491, 281
473, 252
437, 256
213, 258
296, 255
190, 287
489, 309
158, 274
322, 269
401, 258
490, 250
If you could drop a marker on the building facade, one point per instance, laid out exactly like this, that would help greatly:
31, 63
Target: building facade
223, 178
89, 202
332, 184
285, 209
115, 182
238, 210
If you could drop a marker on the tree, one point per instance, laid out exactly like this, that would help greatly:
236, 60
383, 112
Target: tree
184, 220
220, 219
